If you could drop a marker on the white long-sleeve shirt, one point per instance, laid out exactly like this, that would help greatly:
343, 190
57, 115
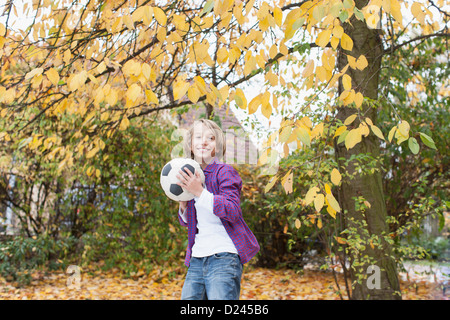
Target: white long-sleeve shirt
211, 237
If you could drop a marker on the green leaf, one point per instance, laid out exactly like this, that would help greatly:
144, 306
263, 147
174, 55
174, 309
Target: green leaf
342, 137
347, 4
304, 137
24, 142
413, 145
343, 16
427, 140
358, 14
208, 7
318, 12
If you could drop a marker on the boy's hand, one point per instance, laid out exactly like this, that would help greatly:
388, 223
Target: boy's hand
190, 182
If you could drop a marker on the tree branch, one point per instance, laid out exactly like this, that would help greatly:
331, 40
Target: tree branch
391, 49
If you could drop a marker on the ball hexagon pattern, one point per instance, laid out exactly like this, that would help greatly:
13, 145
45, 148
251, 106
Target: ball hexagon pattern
168, 178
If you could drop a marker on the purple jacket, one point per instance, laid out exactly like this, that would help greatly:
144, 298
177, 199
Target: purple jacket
224, 182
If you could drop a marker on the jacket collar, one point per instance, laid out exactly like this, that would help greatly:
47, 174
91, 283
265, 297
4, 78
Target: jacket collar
212, 165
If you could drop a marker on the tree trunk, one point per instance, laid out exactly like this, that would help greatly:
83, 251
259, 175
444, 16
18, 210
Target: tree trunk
373, 260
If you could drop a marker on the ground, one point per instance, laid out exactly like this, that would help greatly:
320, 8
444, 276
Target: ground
257, 284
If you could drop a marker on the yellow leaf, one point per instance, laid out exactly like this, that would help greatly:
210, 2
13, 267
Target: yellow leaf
364, 129
254, 104
273, 51
361, 63
272, 78
124, 124
151, 96
310, 195
416, 9
306, 121
341, 240
327, 188
335, 177
350, 97
285, 134
334, 42
92, 152
131, 67
346, 42
321, 73
333, 202
201, 85
193, 94
352, 138
266, 110
303, 136
101, 67
350, 119
309, 68
395, 11
359, 98
323, 38
179, 89
373, 20
319, 223
330, 210
340, 131
160, 16
222, 55
377, 132
53, 76
112, 97
270, 184
287, 182
319, 201
338, 31
76, 81
67, 56
240, 99
403, 128
34, 72
278, 16
89, 171
351, 61
138, 14
133, 92
128, 22
146, 70
317, 131
347, 82
391, 133
298, 224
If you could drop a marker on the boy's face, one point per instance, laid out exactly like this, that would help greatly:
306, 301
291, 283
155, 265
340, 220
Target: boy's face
203, 144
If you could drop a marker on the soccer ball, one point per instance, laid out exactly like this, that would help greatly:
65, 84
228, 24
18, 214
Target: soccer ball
169, 178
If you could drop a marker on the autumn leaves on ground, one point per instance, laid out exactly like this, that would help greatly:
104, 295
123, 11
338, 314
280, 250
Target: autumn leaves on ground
257, 284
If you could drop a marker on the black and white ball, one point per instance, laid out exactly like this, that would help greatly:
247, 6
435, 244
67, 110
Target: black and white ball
169, 178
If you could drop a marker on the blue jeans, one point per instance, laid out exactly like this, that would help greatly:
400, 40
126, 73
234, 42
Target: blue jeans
216, 277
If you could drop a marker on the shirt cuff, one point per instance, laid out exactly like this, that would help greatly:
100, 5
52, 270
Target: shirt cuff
183, 215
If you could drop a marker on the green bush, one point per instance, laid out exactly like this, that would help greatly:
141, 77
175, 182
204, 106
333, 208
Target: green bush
19, 256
